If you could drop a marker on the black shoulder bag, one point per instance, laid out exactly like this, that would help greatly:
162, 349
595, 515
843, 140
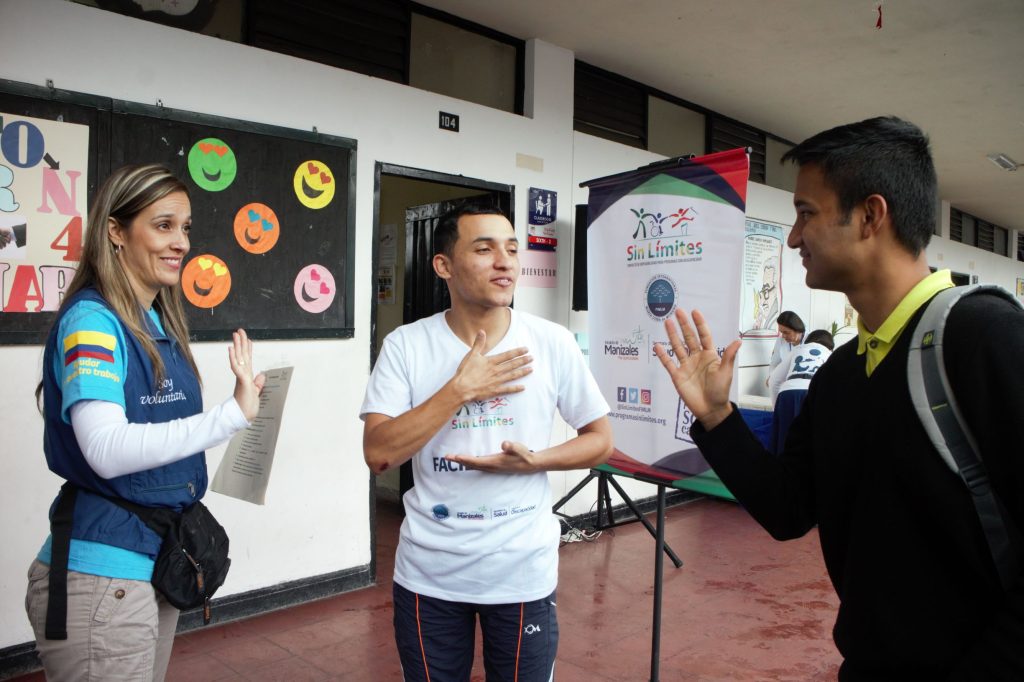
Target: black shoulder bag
191, 565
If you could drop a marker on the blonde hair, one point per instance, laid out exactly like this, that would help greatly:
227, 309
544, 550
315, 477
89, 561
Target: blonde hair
127, 192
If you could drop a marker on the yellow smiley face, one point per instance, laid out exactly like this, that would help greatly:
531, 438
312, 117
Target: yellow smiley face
314, 184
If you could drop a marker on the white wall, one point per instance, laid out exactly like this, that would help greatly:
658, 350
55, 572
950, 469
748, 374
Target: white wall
316, 519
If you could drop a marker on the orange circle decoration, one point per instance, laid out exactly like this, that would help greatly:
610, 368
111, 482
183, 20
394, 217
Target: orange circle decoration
206, 281
257, 228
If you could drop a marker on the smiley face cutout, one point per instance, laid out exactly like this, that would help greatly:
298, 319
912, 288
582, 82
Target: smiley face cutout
314, 288
314, 184
212, 164
257, 228
206, 281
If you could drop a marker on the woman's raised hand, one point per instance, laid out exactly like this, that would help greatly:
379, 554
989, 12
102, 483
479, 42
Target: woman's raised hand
247, 386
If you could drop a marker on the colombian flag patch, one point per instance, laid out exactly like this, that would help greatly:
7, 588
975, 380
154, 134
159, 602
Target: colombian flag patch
84, 344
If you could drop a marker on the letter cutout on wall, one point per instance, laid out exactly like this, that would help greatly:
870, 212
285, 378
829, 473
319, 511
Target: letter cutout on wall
43, 180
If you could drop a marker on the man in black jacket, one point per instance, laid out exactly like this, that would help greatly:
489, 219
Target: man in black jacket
919, 594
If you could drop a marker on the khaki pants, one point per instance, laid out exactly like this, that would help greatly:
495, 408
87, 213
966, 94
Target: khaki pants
117, 629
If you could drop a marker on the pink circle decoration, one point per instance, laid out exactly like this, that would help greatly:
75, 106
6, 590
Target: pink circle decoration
314, 288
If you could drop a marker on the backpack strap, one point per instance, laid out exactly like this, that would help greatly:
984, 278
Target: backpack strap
943, 420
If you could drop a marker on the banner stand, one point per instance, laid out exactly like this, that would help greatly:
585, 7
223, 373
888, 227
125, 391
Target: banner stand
659, 235
605, 477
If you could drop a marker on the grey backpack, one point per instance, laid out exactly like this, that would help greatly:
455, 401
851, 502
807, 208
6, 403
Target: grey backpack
942, 419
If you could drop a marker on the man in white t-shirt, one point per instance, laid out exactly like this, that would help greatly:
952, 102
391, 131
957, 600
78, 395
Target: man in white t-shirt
469, 395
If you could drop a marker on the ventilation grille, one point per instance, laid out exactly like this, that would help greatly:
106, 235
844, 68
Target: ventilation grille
956, 225
609, 107
727, 134
368, 38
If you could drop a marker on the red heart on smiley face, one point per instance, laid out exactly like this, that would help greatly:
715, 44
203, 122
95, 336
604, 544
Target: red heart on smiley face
325, 178
314, 275
221, 151
312, 168
205, 147
324, 289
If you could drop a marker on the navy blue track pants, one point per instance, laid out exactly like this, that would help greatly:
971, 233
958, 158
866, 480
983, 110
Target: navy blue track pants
436, 638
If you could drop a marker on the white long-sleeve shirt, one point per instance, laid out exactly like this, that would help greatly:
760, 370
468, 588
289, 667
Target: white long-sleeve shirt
113, 446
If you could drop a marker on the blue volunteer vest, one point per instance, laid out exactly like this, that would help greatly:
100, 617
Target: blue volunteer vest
174, 486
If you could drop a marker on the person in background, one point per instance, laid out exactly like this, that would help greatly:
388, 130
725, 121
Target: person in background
791, 334
791, 379
469, 395
122, 410
920, 597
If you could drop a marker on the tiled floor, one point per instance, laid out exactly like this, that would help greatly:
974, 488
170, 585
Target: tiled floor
743, 607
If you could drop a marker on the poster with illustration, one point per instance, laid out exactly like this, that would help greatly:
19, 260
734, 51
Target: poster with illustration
661, 239
386, 284
43, 187
762, 279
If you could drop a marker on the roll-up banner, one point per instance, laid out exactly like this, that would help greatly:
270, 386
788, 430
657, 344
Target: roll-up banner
662, 236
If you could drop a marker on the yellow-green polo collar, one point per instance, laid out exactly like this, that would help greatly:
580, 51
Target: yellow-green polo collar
877, 345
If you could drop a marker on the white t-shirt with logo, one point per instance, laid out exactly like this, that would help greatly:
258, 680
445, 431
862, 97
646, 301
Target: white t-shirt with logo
796, 369
471, 536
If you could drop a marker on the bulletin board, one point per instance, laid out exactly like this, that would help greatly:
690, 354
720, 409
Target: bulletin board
272, 234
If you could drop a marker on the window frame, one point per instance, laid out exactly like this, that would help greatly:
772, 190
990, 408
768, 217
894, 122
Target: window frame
711, 117
982, 234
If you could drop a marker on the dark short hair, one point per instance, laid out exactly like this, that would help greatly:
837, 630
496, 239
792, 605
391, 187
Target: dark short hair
821, 336
886, 156
791, 320
446, 232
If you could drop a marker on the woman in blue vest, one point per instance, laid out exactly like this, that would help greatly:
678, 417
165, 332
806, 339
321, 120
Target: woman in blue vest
122, 406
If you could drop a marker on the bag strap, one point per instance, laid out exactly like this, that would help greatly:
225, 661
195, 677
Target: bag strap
60, 532
158, 519
944, 422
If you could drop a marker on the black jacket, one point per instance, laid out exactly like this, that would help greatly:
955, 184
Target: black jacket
919, 595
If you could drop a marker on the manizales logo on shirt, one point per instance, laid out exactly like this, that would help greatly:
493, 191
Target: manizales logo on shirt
483, 414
